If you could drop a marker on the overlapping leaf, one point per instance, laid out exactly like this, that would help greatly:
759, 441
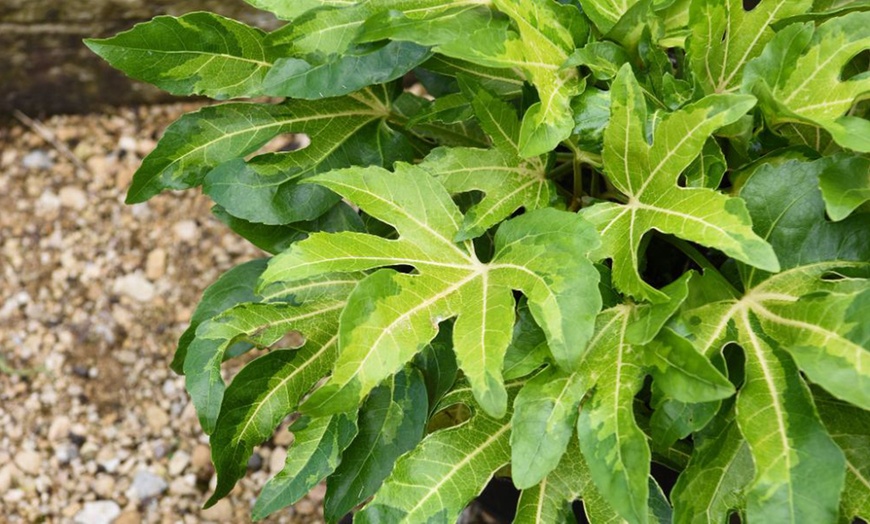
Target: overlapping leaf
799, 317
199, 142
434, 482
647, 175
196, 54
392, 315
845, 184
606, 13
507, 180
725, 36
798, 78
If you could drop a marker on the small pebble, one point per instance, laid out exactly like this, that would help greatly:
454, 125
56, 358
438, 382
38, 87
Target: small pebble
277, 460
146, 485
156, 417
186, 230
135, 286
98, 512
155, 264
59, 429
220, 512
73, 197
201, 458
29, 462
37, 159
178, 463
255, 463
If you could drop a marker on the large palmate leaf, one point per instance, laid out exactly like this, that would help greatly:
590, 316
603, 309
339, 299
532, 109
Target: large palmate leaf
799, 77
196, 54
201, 141
392, 315
434, 482
290, 10
799, 318
616, 451
725, 36
507, 180
647, 175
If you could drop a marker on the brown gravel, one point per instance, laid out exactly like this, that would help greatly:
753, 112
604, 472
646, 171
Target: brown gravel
93, 296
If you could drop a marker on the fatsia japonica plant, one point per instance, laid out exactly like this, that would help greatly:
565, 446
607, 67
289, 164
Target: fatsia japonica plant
590, 235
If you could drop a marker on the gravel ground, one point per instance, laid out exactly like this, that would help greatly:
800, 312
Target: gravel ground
94, 427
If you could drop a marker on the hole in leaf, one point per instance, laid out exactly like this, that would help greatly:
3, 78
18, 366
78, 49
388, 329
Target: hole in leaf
293, 339
856, 67
449, 417
497, 501
749, 5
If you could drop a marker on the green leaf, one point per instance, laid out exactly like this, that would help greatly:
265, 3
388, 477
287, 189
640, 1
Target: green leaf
711, 486
507, 180
845, 184
274, 239
708, 169
615, 448
196, 54
391, 423
259, 397
682, 372
233, 287
602, 58
724, 37
503, 82
392, 315
259, 324
545, 412
199, 142
798, 78
316, 452
289, 10
850, 428
297, 78
606, 13
591, 116
528, 349
799, 470
548, 33
550, 499
266, 189
647, 175
434, 482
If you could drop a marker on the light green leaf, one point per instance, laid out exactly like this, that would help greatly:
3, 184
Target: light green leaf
550, 499
503, 82
316, 452
708, 169
724, 37
790, 90
528, 349
434, 482
199, 142
196, 54
259, 397
682, 372
391, 316
606, 13
544, 44
850, 428
647, 175
711, 486
343, 74
391, 423
845, 184
259, 324
507, 180
289, 10
799, 470
545, 412
613, 445
591, 116
233, 287
603, 58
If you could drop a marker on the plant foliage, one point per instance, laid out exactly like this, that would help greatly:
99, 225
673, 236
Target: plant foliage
610, 233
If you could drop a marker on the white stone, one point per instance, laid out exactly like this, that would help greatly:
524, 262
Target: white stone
186, 230
178, 462
277, 460
220, 512
59, 429
98, 512
47, 203
135, 286
73, 197
155, 264
28, 462
146, 485
37, 159
127, 143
